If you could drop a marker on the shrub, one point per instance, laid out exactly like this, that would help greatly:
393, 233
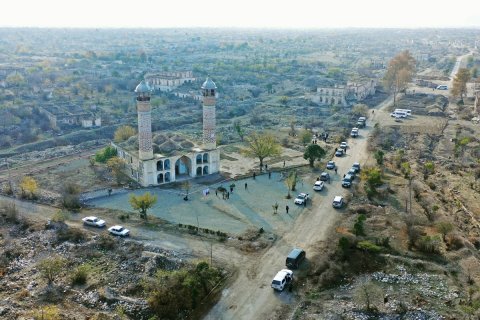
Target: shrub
430, 244
50, 268
60, 216
71, 234
368, 246
47, 313
80, 274
106, 242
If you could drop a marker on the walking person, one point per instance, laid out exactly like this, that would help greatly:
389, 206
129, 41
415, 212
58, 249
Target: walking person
245, 186
269, 174
228, 195
284, 163
286, 208
266, 167
254, 174
305, 203
335, 170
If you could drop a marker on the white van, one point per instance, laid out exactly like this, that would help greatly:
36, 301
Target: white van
442, 87
400, 114
407, 111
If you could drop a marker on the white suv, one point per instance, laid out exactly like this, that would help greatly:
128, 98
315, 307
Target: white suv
301, 198
338, 202
283, 278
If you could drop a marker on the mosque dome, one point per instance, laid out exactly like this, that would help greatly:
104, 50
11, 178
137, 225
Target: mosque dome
209, 84
142, 87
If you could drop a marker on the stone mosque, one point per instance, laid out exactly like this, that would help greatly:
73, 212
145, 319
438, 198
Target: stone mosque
184, 159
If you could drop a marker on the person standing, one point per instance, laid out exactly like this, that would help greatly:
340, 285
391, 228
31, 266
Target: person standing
286, 208
245, 186
254, 174
284, 163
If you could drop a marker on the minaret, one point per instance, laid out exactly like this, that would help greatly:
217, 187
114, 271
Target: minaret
208, 91
145, 149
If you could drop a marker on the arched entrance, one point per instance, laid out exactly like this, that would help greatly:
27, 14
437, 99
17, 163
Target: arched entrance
199, 171
205, 170
167, 176
166, 164
160, 178
159, 165
182, 167
205, 158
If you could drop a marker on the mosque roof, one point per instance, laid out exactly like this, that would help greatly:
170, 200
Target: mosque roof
142, 87
209, 84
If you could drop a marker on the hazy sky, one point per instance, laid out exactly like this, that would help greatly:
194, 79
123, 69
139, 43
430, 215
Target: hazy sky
240, 13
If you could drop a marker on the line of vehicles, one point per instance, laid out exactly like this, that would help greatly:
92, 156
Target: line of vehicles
99, 223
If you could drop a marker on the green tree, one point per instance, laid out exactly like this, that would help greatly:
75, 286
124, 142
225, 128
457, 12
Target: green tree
123, 133
50, 268
261, 146
399, 73
237, 126
372, 178
378, 155
406, 169
142, 203
306, 137
459, 86
313, 152
106, 153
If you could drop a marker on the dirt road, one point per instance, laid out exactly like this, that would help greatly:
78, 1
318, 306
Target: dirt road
250, 296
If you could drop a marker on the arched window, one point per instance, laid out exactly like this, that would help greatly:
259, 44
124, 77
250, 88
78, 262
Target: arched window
167, 176
199, 158
199, 171
205, 158
166, 164
205, 170
160, 178
159, 165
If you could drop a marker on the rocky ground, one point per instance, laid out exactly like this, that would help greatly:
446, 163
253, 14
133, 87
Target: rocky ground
112, 289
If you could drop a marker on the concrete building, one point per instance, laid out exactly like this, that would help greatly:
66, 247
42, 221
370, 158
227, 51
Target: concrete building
149, 168
168, 80
344, 95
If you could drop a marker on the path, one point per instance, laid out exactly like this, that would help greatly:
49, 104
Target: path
250, 296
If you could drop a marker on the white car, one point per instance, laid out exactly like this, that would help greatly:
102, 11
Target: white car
94, 222
283, 278
338, 202
343, 145
119, 231
301, 198
318, 186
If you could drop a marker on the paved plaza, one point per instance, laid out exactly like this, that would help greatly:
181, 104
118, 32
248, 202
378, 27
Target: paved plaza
249, 207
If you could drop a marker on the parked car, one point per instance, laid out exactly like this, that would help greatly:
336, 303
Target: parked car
343, 145
346, 183
330, 165
338, 202
94, 222
442, 87
301, 198
119, 231
354, 133
294, 258
318, 186
325, 176
282, 279
356, 166
352, 173
339, 153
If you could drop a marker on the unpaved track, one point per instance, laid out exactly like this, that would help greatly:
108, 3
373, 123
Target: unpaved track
250, 296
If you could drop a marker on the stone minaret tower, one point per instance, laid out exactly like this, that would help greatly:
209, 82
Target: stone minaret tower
208, 91
145, 148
